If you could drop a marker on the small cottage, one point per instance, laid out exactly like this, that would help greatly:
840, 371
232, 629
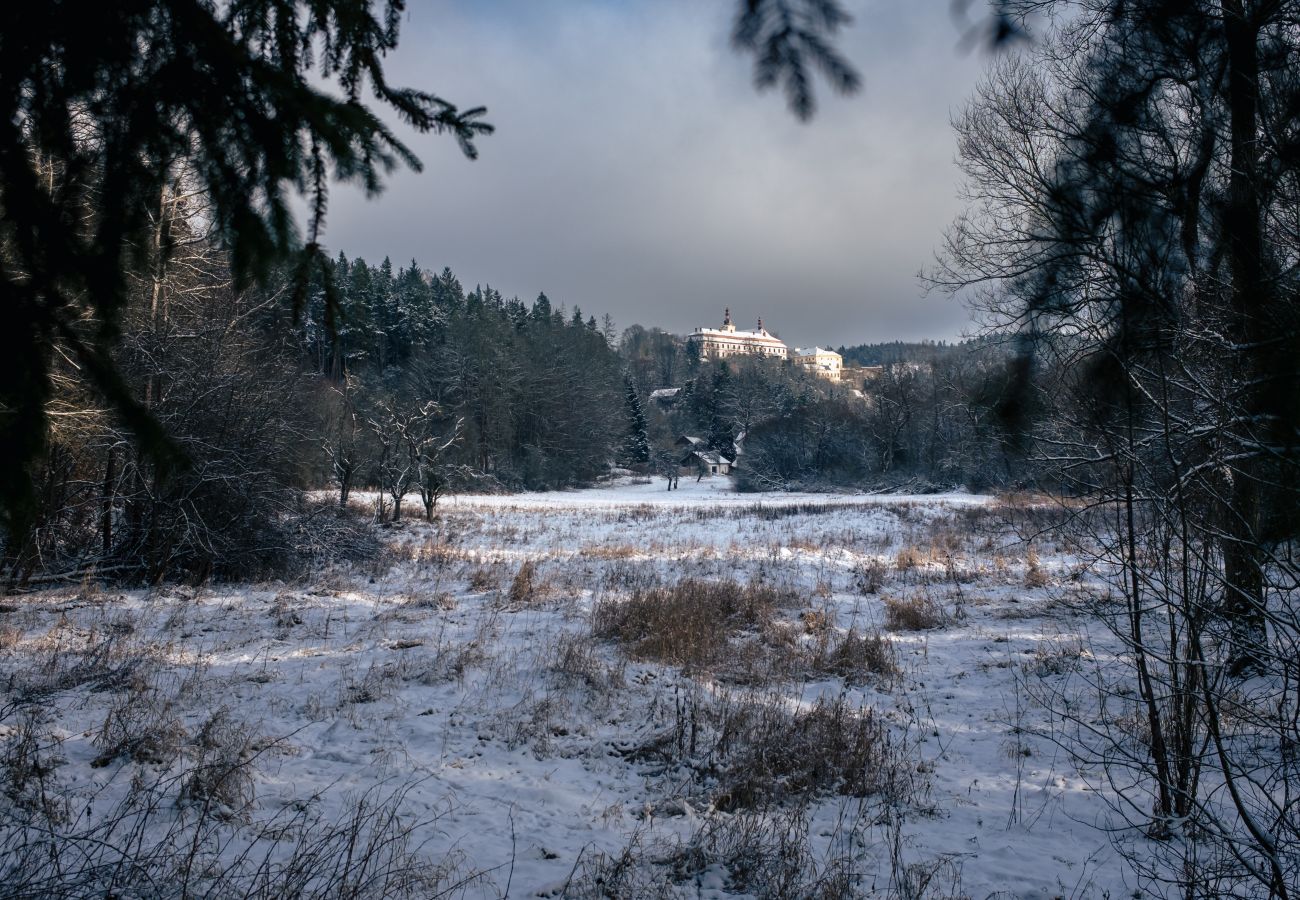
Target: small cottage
707, 462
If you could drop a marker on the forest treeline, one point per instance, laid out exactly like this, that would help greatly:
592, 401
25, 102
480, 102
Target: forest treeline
401, 382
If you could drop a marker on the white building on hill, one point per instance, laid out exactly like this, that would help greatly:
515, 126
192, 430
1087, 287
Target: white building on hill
826, 363
720, 343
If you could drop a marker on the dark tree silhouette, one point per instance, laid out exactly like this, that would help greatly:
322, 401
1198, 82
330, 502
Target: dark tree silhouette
100, 103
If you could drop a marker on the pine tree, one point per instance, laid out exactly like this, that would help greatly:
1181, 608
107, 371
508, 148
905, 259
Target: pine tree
542, 309
388, 335
722, 433
447, 291
636, 445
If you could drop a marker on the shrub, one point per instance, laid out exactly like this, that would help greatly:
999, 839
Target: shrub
870, 576
915, 613
142, 726
856, 656
222, 775
690, 624
522, 586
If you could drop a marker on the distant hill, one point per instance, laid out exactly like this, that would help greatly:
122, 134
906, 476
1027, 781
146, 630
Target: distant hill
889, 352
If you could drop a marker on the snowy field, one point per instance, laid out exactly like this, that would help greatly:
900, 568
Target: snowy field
476, 714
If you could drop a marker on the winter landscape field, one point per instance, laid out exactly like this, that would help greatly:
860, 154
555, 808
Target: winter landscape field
617, 692
748, 448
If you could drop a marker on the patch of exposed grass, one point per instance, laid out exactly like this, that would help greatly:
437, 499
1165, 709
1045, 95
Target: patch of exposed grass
691, 623
757, 753
915, 613
857, 657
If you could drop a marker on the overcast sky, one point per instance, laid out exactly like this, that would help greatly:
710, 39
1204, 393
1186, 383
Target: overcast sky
635, 171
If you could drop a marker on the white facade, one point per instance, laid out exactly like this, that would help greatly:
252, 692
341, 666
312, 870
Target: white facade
720, 343
826, 363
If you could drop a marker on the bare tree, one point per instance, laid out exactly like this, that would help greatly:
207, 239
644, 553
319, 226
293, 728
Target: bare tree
437, 472
342, 441
1122, 219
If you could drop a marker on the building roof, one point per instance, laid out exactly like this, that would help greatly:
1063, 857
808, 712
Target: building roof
664, 393
761, 337
710, 457
729, 334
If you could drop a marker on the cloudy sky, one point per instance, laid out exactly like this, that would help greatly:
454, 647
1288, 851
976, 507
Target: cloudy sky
636, 172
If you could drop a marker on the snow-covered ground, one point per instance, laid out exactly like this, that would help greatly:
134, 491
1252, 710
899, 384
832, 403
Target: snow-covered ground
689, 492
459, 675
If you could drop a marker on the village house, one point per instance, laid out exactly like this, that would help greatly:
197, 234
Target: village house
700, 458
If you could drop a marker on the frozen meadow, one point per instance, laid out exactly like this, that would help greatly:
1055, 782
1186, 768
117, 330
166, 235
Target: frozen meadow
618, 692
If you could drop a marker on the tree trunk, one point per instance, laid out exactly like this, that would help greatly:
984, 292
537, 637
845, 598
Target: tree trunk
1244, 599
106, 508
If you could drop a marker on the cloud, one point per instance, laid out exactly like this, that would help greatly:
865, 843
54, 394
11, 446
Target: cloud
636, 171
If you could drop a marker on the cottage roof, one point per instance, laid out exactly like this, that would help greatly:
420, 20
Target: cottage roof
710, 457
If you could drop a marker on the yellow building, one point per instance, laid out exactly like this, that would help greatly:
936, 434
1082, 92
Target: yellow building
720, 343
826, 363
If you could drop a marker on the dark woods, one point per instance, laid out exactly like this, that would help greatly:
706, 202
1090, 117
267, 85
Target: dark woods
423, 389
506, 395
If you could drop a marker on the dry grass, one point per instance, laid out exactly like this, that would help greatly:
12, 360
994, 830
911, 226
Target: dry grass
758, 754
577, 661
691, 623
816, 621
856, 657
29, 760
915, 613
1035, 576
908, 559
141, 725
524, 584
610, 551
10, 636
223, 774
484, 578
770, 756
870, 576
437, 553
